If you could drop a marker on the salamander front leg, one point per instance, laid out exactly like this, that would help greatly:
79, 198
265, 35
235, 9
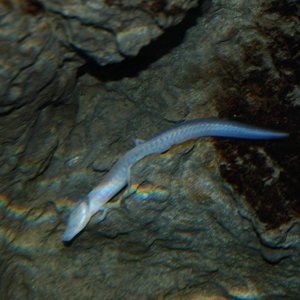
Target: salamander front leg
103, 215
128, 190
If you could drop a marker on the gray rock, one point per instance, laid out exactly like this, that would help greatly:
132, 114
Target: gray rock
207, 218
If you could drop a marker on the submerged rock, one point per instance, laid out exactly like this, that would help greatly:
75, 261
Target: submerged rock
207, 219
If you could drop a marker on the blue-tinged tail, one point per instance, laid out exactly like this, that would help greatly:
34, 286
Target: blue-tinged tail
233, 129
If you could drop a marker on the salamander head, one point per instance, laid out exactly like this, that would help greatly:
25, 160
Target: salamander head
78, 219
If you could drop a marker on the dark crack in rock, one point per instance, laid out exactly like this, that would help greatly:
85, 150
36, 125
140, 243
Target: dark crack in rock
196, 221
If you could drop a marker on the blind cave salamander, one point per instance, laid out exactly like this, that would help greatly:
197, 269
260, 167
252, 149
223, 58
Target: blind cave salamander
118, 177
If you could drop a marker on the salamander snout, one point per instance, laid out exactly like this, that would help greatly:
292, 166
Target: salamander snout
78, 219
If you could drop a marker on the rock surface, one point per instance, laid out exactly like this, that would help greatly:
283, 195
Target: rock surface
214, 219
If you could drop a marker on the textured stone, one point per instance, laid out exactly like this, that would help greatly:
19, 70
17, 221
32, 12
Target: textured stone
206, 219
106, 31
42, 44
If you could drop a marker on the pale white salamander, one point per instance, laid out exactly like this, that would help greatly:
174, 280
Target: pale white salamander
118, 177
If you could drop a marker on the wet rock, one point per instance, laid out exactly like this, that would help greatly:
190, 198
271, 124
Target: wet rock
106, 31
191, 225
42, 44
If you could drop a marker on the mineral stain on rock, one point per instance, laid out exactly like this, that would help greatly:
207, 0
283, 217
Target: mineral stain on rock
266, 173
